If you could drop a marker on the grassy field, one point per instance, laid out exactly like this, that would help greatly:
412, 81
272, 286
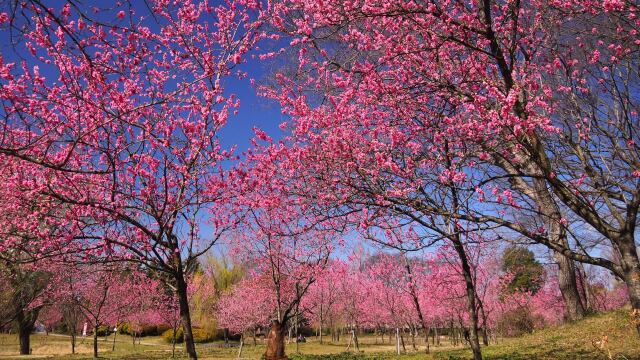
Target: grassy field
571, 341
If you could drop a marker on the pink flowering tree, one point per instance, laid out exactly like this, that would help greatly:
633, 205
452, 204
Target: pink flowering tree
118, 111
395, 100
106, 296
249, 305
322, 302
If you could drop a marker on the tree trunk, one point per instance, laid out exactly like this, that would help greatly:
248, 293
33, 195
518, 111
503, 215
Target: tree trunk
426, 339
173, 342
240, 347
355, 340
24, 334
557, 233
397, 341
631, 270
485, 336
275, 342
95, 342
413, 339
471, 296
185, 314
569, 287
416, 302
320, 325
26, 320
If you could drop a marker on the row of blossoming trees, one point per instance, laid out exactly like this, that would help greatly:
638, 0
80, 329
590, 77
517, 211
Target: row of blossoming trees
414, 124
414, 298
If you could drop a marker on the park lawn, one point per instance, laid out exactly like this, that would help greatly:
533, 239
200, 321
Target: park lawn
59, 346
569, 341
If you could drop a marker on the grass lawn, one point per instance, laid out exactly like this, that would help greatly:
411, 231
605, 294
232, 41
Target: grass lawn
570, 341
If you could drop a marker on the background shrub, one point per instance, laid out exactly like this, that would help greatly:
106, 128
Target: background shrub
200, 335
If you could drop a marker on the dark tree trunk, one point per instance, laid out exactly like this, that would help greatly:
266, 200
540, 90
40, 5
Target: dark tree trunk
471, 296
24, 334
173, 342
185, 314
631, 270
275, 342
26, 320
95, 342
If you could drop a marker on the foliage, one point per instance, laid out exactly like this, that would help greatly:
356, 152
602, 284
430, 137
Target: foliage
527, 274
145, 330
516, 322
200, 335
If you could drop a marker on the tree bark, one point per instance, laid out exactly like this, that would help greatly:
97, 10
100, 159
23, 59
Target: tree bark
26, 320
24, 334
557, 233
241, 345
185, 314
471, 296
631, 268
275, 342
95, 342
320, 330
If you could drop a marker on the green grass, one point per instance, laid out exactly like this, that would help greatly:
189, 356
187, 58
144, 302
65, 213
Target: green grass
569, 341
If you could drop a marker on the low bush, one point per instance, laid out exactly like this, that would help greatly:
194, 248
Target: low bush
200, 335
145, 330
517, 322
104, 330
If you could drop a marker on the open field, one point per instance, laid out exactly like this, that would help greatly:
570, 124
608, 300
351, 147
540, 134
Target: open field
571, 341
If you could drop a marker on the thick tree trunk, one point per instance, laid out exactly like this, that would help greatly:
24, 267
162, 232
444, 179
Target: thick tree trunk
471, 296
24, 334
26, 321
569, 287
567, 283
185, 314
631, 270
275, 342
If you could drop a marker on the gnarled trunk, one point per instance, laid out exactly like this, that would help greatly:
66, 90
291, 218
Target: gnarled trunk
275, 342
26, 320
